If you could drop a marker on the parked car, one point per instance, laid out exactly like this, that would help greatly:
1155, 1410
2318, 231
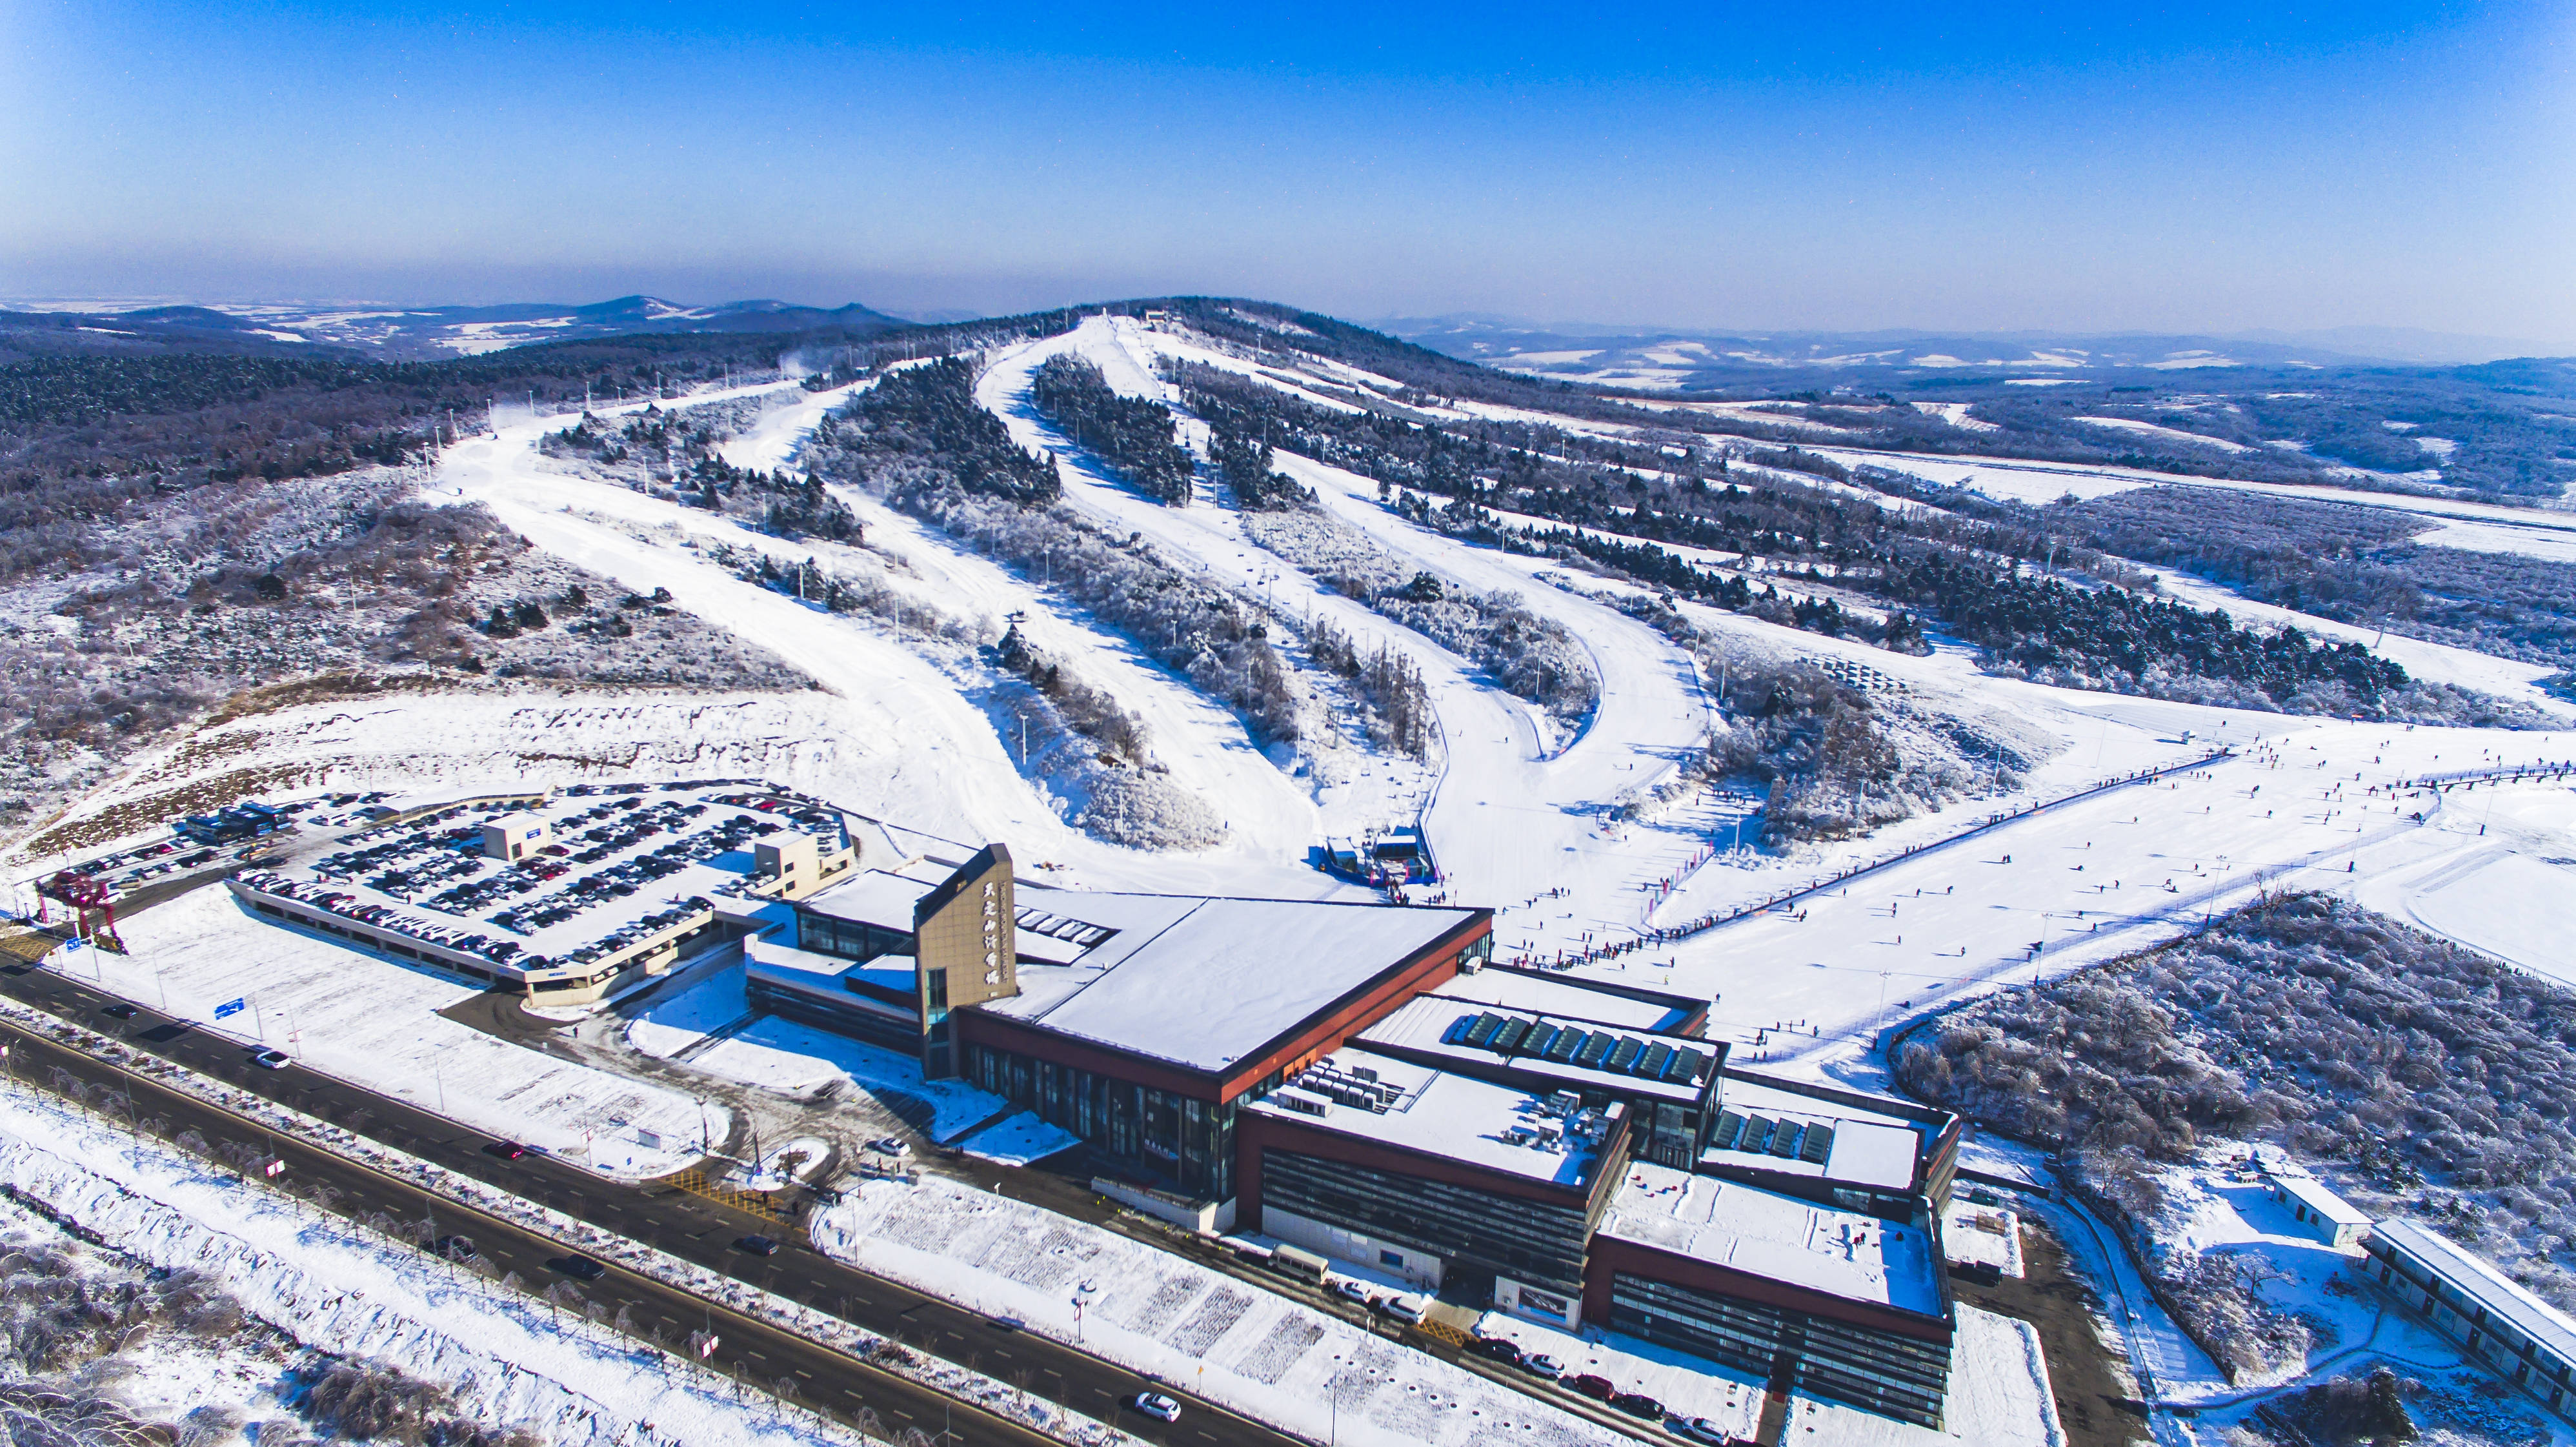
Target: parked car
1701, 1429
1597, 1388
758, 1245
1351, 1288
271, 1060
1158, 1406
1638, 1404
1540, 1364
1407, 1309
891, 1145
1501, 1350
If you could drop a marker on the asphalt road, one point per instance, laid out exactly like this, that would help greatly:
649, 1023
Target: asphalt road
685, 1225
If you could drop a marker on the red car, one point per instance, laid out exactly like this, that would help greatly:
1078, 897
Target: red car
1597, 1388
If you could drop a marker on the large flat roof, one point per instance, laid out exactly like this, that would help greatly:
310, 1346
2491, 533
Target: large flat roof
1763, 1126
1444, 1028
1779, 1238
1453, 1117
1207, 983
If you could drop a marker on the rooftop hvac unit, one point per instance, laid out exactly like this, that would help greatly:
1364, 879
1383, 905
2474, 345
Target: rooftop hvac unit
1784, 1142
1564, 1102
1304, 1102
1364, 1072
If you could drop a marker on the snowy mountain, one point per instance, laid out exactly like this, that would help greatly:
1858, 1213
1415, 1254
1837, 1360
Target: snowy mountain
1684, 359
405, 333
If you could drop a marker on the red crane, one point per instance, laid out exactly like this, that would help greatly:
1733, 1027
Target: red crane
84, 894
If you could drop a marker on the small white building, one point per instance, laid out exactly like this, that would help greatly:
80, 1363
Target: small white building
513, 837
2328, 1217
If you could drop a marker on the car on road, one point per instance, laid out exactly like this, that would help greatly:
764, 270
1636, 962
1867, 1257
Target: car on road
452, 1248
1638, 1404
1598, 1389
1500, 1349
758, 1245
1407, 1309
1540, 1364
271, 1060
506, 1150
580, 1268
891, 1145
1351, 1288
1701, 1429
119, 1011
1158, 1406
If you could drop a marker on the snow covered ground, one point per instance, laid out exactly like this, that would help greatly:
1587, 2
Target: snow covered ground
376, 1024
341, 1291
1155, 1313
1976, 1235
797, 1060
1999, 1386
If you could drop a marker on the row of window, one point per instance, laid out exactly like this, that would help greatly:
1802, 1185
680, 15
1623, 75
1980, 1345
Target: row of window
1527, 1240
1893, 1375
1188, 1139
2485, 1331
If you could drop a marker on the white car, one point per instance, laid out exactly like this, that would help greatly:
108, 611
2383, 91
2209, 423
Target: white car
1539, 1364
1407, 1309
1701, 1429
1351, 1288
891, 1145
1158, 1406
270, 1060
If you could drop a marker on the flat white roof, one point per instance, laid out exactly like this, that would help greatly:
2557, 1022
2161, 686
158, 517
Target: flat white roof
2546, 1325
1868, 1148
1779, 1238
2313, 1193
1426, 1022
1453, 1117
1207, 983
1567, 999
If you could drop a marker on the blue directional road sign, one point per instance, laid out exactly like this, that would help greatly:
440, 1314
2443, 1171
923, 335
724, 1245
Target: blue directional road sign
230, 1007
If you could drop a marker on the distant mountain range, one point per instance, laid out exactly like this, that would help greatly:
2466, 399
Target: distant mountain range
401, 332
1629, 357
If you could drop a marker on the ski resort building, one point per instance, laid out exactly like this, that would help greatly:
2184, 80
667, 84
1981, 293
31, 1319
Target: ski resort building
1139, 1022
1432, 1176
1358, 1081
1839, 1304
564, 897
2503, 1327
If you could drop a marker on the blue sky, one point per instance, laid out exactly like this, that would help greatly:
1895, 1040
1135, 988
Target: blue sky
2069, 167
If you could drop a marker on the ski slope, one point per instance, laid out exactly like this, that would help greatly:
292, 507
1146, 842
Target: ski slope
916, 750
1511, 816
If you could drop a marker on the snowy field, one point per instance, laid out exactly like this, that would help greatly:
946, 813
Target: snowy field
1258, 1353
375, 1023
337, 1290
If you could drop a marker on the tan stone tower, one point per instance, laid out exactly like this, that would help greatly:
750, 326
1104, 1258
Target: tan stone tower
964, 950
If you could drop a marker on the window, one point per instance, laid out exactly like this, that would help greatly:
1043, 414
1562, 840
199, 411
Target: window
1391, 1258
